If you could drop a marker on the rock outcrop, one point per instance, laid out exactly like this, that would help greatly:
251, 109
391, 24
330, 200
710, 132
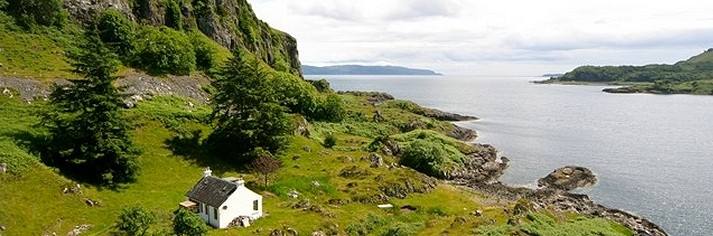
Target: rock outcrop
137, 86
463, 134
231, 23
482, 165
560, 200
568, 178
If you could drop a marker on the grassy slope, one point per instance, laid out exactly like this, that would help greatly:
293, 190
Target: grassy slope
33, 203
39, 54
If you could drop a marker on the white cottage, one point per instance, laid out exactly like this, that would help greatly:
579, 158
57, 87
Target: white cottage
222, 201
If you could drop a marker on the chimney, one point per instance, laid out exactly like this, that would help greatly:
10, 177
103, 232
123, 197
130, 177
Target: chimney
239, 182
207, 172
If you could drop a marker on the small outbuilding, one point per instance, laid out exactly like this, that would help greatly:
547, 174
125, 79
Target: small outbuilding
224, 202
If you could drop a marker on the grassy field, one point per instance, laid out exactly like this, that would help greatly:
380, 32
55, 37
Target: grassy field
33, 202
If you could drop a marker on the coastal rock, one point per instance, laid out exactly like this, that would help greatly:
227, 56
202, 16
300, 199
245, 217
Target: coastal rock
463, 134
626, 89
568, 178
555, 199
442, 115
482, 165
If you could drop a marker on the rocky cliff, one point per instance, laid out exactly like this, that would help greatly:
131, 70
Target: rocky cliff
232, 23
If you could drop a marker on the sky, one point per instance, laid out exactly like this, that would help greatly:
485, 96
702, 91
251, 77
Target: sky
494, 37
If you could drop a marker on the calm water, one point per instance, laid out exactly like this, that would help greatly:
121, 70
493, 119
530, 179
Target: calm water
653, 154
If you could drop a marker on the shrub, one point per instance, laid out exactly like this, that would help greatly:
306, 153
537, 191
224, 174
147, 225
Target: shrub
117, 31
330, 109
135, 221
264, 164
3, 3
205, 50
400, 229
437, 211
173, 15
37, 12
321, 85
330, 140
188, 223
296, 94
165, 51
426, 157
365, 227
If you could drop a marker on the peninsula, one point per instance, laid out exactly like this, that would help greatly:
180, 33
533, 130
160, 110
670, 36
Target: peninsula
364, 70
692, 76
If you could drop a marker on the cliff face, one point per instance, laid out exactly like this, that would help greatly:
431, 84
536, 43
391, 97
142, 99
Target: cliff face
232, 23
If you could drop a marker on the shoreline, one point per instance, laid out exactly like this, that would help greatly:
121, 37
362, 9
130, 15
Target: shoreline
561, 200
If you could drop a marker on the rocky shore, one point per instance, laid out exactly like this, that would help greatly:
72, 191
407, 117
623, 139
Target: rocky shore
554, 194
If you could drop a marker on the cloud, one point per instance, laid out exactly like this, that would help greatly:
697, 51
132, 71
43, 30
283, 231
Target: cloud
375, 10
475, 35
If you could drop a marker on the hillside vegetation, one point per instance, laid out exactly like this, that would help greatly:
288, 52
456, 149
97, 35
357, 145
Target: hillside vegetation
337, 152
692, 76
158, 37
338, 189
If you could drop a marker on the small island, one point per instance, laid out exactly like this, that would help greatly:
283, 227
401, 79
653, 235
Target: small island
364, 70
692, 76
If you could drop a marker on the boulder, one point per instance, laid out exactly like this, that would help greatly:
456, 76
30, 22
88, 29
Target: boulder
568, 178
463, 134
302, 127
376, 160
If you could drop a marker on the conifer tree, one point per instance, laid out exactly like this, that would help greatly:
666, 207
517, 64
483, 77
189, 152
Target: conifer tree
87, 134
247, 112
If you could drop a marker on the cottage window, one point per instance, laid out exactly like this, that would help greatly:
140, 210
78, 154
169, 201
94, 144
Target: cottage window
205, 208
255, 205
215, 213
200, 207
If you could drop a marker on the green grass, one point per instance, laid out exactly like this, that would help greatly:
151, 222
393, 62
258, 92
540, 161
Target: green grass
545, 223
39, 55
33, 202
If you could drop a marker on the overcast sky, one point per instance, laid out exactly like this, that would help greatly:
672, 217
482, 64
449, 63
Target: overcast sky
494, 37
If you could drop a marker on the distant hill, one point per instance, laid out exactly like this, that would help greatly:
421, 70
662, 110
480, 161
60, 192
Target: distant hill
364, 70
692, 76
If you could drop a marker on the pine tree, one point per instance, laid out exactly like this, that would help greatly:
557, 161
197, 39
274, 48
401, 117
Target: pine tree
88, 135
246, 109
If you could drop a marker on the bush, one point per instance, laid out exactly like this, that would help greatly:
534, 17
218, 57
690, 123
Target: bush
3, 3
426, 157
330, 140
165, 51
330, 109
173, 15
117, 31
365, 227
135, 221
400, 229
188, 223
321, 85
205, 50
37, 12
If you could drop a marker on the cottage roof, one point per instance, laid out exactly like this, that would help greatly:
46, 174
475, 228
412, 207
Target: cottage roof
212, 191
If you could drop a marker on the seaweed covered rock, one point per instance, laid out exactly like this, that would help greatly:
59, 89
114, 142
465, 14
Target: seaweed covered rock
568, 178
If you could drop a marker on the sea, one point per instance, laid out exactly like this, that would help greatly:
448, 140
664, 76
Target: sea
652, 154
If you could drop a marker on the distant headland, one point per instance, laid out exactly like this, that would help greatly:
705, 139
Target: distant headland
364, 70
